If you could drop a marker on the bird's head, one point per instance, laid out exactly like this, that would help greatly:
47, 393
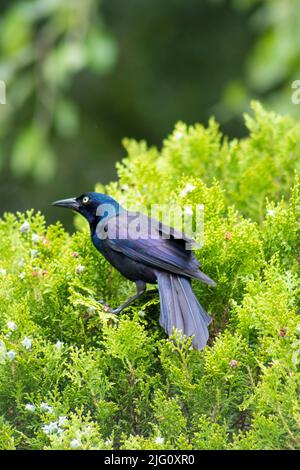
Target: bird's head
93, 206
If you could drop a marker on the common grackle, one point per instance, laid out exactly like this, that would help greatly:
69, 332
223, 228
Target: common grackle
146, 251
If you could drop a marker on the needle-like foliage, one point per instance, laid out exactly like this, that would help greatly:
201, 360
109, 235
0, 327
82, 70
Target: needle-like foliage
73, 376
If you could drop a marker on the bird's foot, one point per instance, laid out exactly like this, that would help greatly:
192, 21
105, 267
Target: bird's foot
106, 307
115, 311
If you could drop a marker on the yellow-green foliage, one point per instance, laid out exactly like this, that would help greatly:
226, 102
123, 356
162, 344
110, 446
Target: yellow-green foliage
74, 376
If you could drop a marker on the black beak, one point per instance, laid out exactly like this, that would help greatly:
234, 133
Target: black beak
71, 203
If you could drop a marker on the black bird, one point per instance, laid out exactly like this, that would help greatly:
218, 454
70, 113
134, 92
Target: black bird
146, 251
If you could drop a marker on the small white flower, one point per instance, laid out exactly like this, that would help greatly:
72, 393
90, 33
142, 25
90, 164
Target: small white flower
62, 420
3, 272
25, 227
35, 238
8, 335
187, 189
58, 345
178, 135
52, 428
21, 262
159, 440
34, 253
271, 212
11, 354
26, 343
46, 408
29, 407
108, 442
91, 310
22, 275
12, 326
75, 443
79, 269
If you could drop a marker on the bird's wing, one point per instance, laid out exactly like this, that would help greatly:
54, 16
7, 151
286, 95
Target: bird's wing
174, 234
141, 239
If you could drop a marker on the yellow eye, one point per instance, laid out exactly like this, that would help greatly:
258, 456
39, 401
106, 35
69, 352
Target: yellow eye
85, 200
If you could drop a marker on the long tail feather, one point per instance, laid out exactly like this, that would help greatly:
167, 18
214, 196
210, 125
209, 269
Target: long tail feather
180, 308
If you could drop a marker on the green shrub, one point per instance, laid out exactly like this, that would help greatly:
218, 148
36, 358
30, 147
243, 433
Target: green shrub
74, 377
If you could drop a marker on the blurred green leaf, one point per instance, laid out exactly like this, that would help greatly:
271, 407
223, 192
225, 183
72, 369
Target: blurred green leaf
27, 149
15, 32
32, 154
66, 118
62, 62
44, 44
270, 62
45, 165
101, 51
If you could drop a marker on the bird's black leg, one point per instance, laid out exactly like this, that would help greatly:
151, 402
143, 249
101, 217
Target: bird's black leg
140, 288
